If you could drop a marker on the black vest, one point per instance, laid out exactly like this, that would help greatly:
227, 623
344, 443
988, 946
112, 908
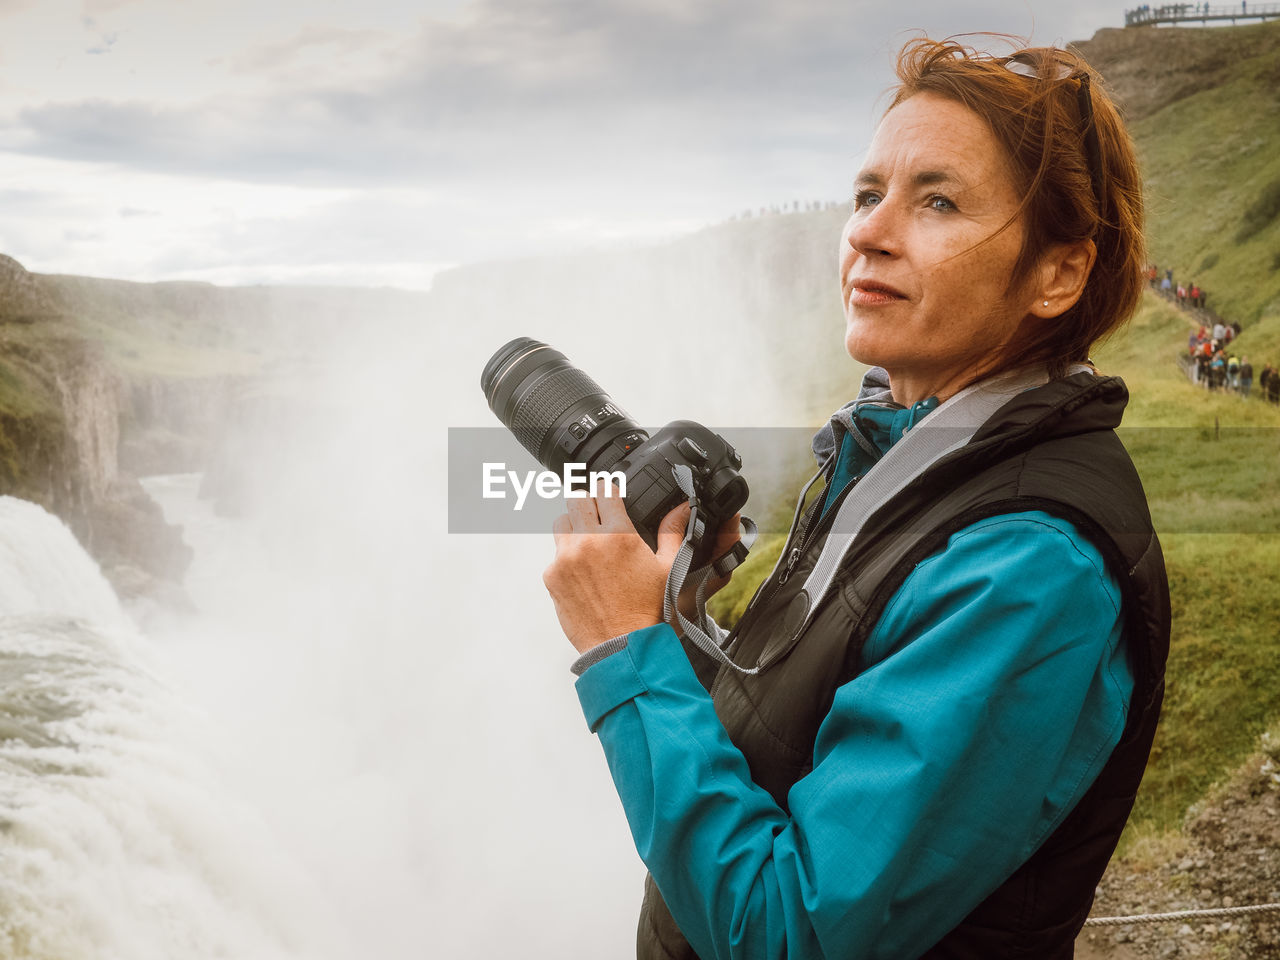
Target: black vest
1052, 449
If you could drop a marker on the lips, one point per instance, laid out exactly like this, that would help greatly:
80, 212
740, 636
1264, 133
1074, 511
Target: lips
866, 293
867, 285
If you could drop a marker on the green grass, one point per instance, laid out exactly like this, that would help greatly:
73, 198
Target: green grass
1209, 463
23, 393
141, 352
1221, 692
1211, 163
728, 605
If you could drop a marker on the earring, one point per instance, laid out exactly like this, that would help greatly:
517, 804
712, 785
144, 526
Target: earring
1046, 303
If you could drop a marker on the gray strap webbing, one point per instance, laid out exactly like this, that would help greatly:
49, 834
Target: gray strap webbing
705, 634
948, 428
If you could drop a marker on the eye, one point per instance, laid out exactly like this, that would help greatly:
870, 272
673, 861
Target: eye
865, 198
941, 204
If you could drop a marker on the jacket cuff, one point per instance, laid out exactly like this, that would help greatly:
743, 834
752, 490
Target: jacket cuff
613, 680
598, 653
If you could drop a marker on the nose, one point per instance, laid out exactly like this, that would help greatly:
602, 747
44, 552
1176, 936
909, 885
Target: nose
871, 231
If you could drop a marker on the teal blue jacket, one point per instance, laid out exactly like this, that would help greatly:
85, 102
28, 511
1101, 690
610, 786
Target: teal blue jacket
995, 687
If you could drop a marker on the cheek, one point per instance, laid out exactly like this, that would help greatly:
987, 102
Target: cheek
975, 280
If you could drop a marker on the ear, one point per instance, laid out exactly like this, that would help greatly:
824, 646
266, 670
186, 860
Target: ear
1062, 274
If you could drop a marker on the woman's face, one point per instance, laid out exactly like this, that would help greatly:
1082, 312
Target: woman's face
924, 297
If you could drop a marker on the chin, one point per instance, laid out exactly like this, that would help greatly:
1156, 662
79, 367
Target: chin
863, 348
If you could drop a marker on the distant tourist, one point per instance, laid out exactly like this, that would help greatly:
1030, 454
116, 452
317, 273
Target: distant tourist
1217, 371
1246, 377
1220, 332
1233, 372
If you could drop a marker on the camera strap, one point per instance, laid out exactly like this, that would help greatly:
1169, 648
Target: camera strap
947, 429
705, 634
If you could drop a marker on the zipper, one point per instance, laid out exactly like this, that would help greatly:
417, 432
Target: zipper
799, 522
808, 536
803, 534
791, 563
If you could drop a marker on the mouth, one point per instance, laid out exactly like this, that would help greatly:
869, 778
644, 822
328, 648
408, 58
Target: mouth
867, 292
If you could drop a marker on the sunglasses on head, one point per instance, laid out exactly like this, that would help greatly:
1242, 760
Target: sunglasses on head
1040, 67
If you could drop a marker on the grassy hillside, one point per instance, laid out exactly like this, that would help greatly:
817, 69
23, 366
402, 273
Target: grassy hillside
1211, 161
1209, 465
1203, 107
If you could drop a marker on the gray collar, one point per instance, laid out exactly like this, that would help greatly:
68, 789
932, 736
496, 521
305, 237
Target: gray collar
875, 389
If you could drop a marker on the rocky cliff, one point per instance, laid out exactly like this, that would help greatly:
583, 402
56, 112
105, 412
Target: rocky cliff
104, 381
63, 404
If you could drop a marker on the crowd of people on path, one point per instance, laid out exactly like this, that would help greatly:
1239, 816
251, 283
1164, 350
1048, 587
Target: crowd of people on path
1187, 296
1211, 362
1215, 366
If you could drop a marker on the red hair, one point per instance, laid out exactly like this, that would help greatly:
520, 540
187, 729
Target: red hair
1038, 122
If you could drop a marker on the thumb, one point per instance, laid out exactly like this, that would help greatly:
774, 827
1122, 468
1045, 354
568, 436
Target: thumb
671, 533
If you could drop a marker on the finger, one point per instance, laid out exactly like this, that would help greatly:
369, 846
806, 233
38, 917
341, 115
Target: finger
613, 512
583, 517
730, 532
671, 533
561, 529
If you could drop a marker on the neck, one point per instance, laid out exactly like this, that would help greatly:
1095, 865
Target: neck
909, 389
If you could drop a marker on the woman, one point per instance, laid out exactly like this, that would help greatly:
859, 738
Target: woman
942, 701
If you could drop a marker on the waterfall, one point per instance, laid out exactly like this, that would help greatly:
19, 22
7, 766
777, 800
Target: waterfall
118, 838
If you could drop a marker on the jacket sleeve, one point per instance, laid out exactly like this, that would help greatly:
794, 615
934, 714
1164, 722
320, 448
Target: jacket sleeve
995, 689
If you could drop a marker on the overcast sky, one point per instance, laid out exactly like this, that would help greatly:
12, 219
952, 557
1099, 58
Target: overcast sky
373, 142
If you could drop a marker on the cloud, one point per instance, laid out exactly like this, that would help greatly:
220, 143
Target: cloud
106, 39
559, 89
330, 41
97, 8
483, 135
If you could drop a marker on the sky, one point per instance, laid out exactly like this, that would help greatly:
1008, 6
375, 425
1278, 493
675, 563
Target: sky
376, 142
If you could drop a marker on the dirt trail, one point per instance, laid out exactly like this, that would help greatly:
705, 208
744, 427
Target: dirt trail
1229, 855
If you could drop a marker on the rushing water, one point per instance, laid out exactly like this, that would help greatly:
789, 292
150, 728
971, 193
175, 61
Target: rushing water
118, 837
365, 741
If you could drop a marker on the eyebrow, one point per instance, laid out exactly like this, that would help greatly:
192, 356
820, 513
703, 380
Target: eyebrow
925, 178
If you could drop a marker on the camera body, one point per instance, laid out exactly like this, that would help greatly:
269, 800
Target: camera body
560, 415
652, 490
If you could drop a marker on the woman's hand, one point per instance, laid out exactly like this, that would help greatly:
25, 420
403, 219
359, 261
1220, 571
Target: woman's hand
604, 580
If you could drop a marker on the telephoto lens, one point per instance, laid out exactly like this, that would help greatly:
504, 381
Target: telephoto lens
557, 412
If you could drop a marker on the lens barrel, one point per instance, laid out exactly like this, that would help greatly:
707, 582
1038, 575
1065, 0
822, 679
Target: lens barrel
557, 412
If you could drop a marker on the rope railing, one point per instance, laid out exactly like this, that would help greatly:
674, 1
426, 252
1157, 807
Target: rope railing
1215, 913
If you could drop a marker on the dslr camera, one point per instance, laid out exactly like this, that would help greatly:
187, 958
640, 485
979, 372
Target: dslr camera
560, 415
